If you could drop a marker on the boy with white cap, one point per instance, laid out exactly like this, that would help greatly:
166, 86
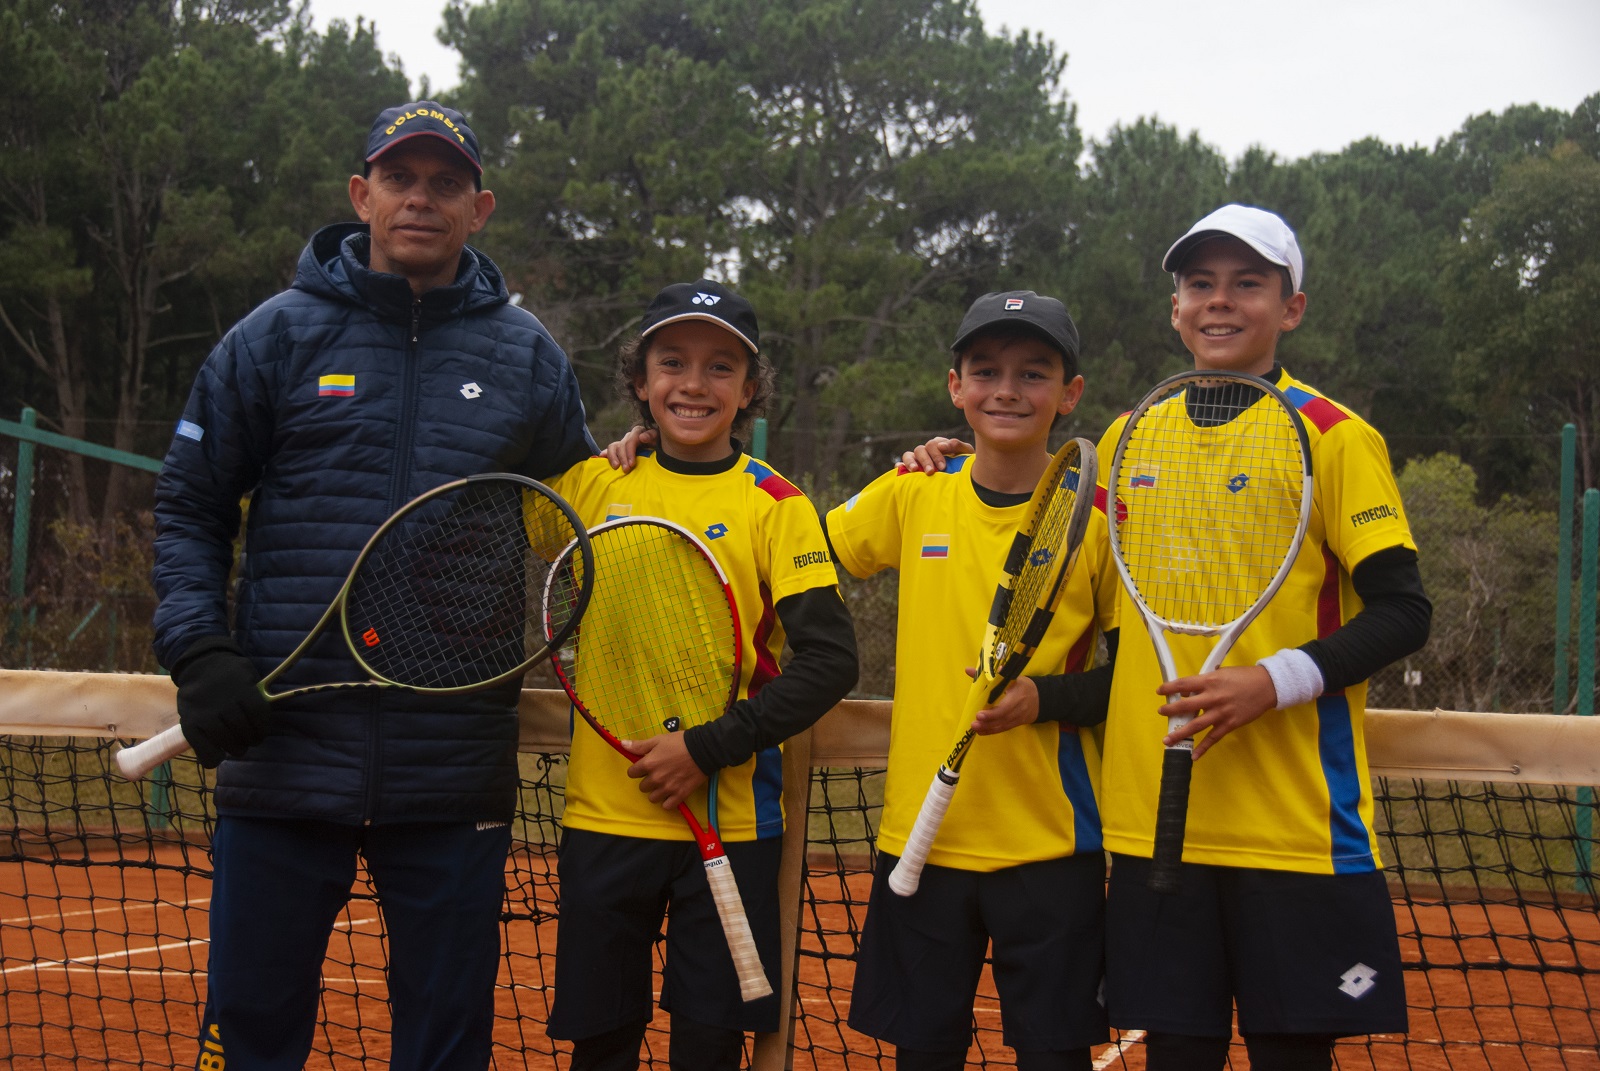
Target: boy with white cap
1282, 911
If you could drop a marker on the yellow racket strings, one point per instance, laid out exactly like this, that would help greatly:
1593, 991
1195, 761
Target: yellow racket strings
655, 650
1046, 549
1210, 491
450, 594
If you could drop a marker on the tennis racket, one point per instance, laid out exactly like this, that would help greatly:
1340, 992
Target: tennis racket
659, 651
444, 598
1212, 476
1032, 581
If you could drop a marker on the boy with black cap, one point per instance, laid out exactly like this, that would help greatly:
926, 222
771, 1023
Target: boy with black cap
1018, 861
697, 375
394, 363
1282, 913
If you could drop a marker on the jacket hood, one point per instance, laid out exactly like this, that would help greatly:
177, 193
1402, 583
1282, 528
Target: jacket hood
334, 265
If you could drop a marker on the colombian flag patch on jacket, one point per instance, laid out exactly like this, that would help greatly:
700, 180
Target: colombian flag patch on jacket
336, 386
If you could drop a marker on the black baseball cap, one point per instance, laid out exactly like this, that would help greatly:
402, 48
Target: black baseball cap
703, 300
1046, 316
423, 118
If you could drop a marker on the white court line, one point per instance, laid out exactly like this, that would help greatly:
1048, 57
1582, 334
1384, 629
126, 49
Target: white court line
1111, 1055
119, 906
63, 964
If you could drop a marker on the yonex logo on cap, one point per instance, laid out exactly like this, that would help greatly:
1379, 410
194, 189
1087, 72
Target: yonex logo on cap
702, 298
1013, 304
1358, 981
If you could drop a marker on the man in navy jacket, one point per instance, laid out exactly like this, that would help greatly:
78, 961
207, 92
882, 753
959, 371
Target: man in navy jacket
394, 363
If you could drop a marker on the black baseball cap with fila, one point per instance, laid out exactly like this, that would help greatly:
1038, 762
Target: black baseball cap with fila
1044, 316
423, 118
703, 300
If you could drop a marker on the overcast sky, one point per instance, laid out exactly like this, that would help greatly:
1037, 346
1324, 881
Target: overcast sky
1295, 78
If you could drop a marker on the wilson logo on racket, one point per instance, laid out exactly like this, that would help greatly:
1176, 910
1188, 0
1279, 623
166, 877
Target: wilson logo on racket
1236, 483
370, 637
1143, 479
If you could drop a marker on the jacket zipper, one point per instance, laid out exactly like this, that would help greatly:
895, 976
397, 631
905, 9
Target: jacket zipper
400, 479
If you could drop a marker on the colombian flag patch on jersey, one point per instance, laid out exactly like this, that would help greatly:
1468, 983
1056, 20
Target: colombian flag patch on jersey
936, 546
336, 387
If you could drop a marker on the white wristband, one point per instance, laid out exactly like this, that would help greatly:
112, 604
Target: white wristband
1295, 677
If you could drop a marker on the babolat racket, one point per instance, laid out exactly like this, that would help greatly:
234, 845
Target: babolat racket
1212, 479
445, 598
1032, 581
658, 651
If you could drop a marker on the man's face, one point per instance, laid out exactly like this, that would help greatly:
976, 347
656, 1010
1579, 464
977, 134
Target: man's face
1230, 307
422, 205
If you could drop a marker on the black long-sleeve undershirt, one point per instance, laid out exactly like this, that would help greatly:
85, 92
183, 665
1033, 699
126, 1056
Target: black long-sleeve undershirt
822, 672
1392, 622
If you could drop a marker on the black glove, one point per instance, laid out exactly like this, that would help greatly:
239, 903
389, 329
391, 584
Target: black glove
220, 707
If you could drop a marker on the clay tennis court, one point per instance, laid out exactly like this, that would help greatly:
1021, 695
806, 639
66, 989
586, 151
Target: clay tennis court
103, 961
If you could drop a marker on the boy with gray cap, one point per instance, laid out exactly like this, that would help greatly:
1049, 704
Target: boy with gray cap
1018, 863
1282, 913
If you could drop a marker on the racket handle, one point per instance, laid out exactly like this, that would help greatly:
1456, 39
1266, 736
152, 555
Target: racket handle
136, 761
1172, 815
907, 873
753, 984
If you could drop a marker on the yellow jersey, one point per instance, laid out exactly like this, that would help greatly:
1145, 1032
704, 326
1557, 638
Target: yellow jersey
1290, 790
766, 536
1027, 794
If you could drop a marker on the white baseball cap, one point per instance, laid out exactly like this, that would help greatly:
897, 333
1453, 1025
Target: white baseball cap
1257, 228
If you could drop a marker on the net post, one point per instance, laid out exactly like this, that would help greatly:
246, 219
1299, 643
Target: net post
1587, 609
775, 1051
20, 522
1563, 667
758, 439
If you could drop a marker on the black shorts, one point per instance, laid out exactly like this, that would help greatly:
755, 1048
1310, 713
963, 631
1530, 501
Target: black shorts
1298, 953
615, 892
921, 955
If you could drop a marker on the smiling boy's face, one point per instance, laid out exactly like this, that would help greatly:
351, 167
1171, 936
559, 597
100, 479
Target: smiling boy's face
1230, 309
1011, 388
696, 380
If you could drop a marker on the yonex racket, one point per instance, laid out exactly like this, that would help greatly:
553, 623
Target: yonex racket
659, 651
1032, 581
1212, 480
445, 598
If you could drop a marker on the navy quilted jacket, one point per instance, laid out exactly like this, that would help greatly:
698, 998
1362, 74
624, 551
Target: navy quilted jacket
331, 405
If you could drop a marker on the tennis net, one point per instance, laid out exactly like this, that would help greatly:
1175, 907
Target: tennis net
104, 887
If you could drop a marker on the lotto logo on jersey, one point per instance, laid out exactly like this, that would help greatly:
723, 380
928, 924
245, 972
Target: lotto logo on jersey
716, 531
936, 546
1040, 557
1237, 483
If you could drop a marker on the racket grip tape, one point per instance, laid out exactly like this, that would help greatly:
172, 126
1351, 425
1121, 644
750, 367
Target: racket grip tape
136, 761
753, 984
907, 873
1172, 815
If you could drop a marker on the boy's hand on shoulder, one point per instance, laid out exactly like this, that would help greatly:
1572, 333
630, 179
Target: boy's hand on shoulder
1018, 705
665, 770
1224, 700
930, 456
625, 451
